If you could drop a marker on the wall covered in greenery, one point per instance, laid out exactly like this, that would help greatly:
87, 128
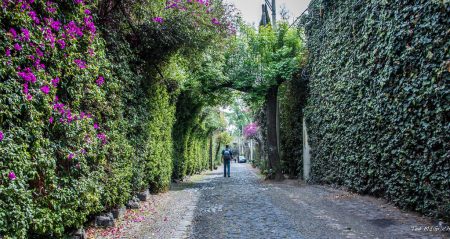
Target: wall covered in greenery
292, 100
85, 120
379, 99
57, 125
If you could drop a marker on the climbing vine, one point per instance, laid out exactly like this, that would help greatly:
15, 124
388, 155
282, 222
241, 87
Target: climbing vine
378, 103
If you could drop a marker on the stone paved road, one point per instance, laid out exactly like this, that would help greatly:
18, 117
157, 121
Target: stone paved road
245, 206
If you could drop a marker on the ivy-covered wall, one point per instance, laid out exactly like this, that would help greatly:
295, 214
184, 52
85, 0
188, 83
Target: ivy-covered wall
378, 104
292, 100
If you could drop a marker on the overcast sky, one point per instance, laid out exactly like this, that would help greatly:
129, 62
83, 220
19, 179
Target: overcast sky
251, 9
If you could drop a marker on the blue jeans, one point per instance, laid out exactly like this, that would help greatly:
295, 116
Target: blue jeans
226, 165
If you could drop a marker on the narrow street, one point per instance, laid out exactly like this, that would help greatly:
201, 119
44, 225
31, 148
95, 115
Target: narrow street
246, 206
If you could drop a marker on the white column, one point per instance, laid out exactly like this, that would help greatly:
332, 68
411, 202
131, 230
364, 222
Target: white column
251, 149
306, 153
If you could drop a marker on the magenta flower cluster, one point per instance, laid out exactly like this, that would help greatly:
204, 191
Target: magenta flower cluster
66, 115
100, 81
182, 6
12, 175
51, 36
80, 63
158, 19
251, 130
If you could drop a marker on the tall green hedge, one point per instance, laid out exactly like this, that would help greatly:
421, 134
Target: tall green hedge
160, 146
378, 104
190, 135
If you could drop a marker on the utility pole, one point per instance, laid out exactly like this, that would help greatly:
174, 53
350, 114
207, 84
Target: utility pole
272, 6
264, 17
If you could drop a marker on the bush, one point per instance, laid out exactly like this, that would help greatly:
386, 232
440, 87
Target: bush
378, 103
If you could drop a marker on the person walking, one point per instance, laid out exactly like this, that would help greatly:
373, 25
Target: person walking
227, 155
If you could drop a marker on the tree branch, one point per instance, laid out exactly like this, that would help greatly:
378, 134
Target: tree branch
230, 85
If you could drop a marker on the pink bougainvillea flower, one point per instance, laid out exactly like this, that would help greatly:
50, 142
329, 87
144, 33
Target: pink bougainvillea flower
102, 137
38, 64
250, 130
90, 25
27, 75
12, 175
158, 19
55, 25
45, 89
17, 47
100, 81
73, 30
91, 52
96, 126
2, 136
39, 52
13, 32
34, 17
50, 37
80, 63
78, 1
51, 9
87, 12
8, 52
25, 34
61, 43
25, 88
215, 21
55, 82
70, 156
50, 120
171, 5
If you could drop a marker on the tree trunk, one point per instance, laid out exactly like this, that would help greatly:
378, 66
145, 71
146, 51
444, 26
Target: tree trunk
217, 150
211, 164
272, 140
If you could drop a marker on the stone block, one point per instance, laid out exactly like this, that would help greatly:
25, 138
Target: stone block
79, 234
119, 212
132, 204
105, 220
143, 196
